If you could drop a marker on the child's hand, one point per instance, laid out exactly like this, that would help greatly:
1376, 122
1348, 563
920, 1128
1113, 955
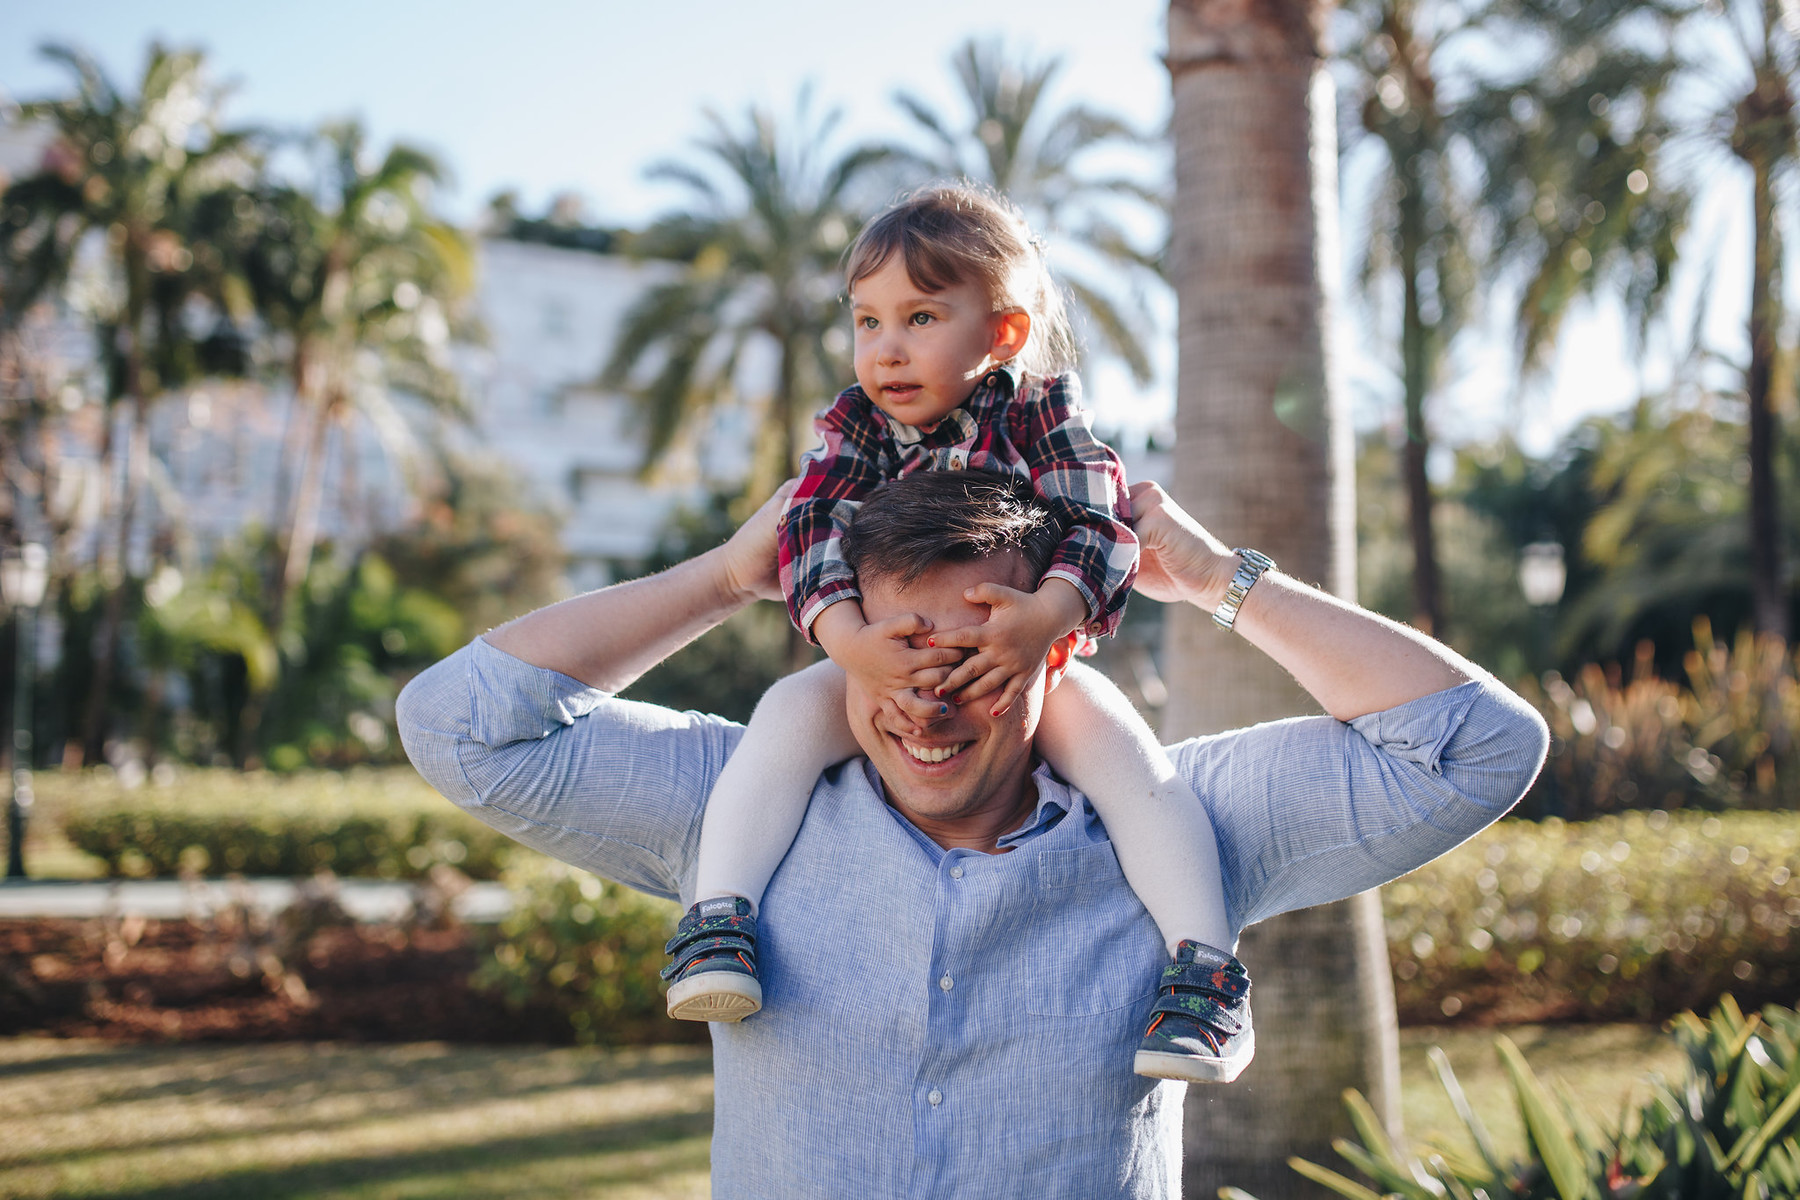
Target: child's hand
1014, 641
884, 660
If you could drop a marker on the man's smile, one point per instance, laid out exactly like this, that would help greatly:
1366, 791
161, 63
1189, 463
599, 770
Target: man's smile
931, 754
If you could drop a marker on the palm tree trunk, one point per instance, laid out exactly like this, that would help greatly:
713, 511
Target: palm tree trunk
1768, 592
112, 615
303, 533
1264, 459
1416, 347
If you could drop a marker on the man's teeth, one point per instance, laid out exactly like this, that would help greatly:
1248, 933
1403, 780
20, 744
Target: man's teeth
933, 754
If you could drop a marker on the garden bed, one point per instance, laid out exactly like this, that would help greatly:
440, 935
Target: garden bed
179, 981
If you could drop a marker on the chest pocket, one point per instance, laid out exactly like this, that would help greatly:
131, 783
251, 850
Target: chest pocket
1091, 948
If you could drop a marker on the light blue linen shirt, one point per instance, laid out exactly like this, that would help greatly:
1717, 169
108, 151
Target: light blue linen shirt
951, 1023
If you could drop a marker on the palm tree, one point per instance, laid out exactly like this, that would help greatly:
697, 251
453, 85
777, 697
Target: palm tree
360, 281
1265, 461
1620, 139
1009, 138
773, 209
1419, 226
137, 168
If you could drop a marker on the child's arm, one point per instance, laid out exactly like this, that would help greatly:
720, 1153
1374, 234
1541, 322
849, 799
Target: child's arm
1081, 481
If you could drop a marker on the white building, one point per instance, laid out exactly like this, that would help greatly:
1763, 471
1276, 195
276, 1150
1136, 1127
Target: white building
551, 313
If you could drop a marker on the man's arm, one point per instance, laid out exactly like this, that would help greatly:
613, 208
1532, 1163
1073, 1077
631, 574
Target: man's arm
517, 728
1426, 749
1352, 661
608, 638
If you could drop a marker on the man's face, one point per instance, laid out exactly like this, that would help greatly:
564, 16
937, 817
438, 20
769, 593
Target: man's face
985, 778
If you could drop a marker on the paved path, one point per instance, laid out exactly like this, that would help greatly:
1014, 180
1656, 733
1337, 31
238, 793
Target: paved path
365, 899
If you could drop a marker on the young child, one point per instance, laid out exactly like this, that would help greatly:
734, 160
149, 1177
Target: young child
963, 356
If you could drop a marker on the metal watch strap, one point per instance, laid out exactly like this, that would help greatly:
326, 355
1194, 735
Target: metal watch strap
1251, 567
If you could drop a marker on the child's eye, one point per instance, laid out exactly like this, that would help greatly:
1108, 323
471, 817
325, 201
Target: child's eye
920, 318
866, 322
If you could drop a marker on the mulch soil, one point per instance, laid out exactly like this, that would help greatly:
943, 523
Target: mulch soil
163, 981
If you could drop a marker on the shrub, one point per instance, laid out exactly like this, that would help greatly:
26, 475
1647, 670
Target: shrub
1624, 918
388, 824
587, 950
1725, 1129
1729, 737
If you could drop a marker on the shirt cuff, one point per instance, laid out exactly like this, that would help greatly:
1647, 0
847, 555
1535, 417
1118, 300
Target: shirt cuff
827, 596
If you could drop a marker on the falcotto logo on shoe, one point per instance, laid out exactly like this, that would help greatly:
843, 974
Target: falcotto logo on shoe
718, 908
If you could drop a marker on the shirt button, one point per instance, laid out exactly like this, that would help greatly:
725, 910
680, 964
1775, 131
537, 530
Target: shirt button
936, 1097
946, 983
956, 872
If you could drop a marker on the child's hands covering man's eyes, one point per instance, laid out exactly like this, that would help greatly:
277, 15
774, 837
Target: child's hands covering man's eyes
1012, 644
882, 658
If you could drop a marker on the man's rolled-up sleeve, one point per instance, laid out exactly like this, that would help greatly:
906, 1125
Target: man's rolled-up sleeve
1312, 809
612, 786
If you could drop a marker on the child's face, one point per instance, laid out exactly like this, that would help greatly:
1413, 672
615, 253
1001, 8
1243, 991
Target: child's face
920, 354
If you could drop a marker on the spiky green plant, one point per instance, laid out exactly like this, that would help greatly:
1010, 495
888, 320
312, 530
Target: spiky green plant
1725, 1129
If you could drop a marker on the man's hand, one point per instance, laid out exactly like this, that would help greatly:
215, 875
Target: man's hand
1178, 560
1013, 642
750, 555
884, 661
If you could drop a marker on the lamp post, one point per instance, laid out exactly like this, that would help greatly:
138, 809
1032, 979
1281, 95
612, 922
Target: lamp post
23, 574
1542, 576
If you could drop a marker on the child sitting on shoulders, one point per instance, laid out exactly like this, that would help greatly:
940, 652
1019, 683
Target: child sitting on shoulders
963, 358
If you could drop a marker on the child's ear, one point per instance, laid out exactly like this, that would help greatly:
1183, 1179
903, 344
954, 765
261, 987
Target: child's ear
1011, 328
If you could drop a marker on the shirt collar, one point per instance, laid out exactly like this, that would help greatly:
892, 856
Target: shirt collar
1053, 803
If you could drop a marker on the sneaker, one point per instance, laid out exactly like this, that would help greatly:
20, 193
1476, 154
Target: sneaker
713, 977
1200, 1024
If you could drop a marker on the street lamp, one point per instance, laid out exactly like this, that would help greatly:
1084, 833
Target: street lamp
1542, 573
23, 574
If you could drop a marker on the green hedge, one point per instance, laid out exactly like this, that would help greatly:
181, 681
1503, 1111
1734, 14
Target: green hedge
383, 823
1632, 917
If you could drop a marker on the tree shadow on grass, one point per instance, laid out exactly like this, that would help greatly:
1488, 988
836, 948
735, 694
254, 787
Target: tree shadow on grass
409, 1085
254, 1075
505, 1158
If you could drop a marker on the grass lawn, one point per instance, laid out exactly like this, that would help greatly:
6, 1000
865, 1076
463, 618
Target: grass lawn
292, 1120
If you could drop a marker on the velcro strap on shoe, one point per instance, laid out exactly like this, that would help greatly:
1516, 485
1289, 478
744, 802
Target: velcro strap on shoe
692, 930
1222, 982
711, 947
1204, 1009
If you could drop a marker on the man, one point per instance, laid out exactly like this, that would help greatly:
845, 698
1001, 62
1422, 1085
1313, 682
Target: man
957, 985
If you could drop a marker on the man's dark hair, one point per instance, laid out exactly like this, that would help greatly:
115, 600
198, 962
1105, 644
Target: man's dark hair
911, 524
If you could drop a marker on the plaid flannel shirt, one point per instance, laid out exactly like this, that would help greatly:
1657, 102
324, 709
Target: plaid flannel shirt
1032, 427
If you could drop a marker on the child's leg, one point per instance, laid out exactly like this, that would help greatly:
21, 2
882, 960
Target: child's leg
798, 730
1161, 832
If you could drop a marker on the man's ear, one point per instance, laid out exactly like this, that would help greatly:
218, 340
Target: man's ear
1011, 328
1062, 653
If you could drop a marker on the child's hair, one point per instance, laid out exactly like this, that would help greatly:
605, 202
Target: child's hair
964, 233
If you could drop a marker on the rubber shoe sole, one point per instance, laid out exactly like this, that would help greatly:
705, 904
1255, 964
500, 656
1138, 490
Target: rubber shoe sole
1157, 1064
715, 996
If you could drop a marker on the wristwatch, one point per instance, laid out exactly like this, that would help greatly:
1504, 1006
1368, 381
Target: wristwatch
1251, 567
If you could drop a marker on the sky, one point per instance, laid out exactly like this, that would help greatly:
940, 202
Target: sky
542, 98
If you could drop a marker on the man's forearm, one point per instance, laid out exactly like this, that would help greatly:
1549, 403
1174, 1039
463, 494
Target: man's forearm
1350, 660
608, 638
